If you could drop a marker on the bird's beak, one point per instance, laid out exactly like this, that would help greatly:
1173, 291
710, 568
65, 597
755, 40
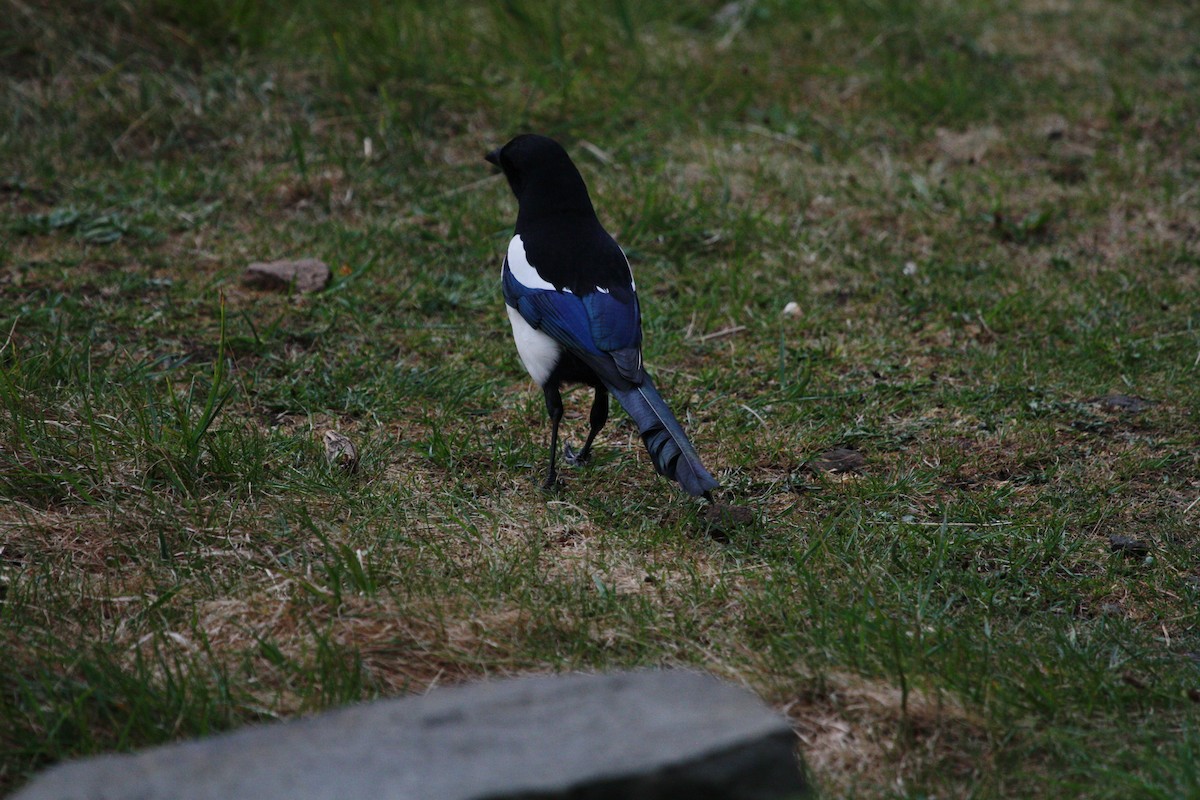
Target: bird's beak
493, 157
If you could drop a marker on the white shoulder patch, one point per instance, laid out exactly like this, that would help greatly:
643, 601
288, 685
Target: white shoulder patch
525, 273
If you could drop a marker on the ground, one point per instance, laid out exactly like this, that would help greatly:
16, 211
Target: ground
961, 241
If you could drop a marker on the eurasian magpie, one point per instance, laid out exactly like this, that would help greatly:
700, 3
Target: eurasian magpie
574, 310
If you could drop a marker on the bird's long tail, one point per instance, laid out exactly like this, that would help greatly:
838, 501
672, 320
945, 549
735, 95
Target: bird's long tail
670, 450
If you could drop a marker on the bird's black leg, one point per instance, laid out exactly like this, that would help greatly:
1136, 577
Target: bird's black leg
554, 408
596, 420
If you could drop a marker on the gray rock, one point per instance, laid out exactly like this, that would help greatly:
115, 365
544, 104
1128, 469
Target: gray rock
1122, 402
307, 275
839, 459
644, 735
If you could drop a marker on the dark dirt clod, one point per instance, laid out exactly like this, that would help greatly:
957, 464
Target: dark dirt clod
1128, 546
1133, 680
721, 520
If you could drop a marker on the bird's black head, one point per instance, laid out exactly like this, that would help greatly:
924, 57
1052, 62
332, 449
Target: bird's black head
541, 175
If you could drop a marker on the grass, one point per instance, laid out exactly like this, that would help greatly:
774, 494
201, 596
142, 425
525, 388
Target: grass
984, 212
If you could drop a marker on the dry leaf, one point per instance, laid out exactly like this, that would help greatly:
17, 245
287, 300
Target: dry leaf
341, 452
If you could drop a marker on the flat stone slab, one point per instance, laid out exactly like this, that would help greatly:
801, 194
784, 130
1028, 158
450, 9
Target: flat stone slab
648, 735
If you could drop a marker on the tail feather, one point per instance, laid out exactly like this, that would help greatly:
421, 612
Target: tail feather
670, 450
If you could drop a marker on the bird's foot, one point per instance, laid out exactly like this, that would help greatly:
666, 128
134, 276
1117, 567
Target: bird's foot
551, 485
576, 459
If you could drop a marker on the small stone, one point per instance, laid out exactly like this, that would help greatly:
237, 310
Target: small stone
839, 459
1128, 546
967, 147
792, 309
307, 275
1122, 402
341, 452
910, 268
1053, 126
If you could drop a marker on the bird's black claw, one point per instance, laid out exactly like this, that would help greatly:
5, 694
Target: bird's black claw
573, 458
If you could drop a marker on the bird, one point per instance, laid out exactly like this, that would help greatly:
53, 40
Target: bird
573, 306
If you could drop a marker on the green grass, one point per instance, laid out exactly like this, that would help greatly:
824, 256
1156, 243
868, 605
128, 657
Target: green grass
985, 212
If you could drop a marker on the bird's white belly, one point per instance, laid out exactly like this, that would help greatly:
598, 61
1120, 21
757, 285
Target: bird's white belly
539, 353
